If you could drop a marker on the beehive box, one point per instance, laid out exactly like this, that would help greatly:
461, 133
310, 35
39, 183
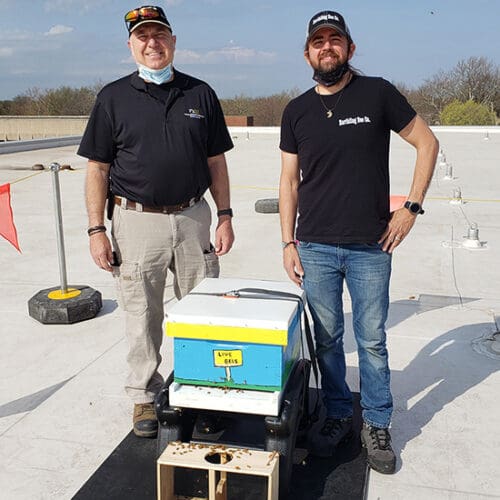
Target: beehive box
236, 343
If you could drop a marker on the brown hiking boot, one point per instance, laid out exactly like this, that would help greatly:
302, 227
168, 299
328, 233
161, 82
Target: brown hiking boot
145, 423
380, 454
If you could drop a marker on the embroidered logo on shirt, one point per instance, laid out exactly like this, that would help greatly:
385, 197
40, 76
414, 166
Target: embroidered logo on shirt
354, 121
194, 113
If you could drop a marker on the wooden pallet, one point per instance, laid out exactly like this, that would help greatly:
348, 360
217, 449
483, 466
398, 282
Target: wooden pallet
218, 461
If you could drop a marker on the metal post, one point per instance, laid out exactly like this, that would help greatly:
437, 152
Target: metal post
55, 167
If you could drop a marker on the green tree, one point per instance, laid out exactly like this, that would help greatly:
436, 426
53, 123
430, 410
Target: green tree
467, 113
5, 107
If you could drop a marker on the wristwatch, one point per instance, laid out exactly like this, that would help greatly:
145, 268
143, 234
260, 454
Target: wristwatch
284, 244
225, 211
414, 207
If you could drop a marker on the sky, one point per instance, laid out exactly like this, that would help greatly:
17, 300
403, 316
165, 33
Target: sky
251, 47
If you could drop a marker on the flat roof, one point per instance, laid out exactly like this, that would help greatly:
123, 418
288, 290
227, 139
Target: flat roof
62, 404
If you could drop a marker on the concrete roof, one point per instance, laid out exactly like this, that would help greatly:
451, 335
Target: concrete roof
62, 405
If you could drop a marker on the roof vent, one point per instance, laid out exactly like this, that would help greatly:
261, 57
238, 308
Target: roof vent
448, 176
471, 240
456, 197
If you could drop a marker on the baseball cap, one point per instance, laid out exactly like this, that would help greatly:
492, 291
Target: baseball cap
146, 14
329, 19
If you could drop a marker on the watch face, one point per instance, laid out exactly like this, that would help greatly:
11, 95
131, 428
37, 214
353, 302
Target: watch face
415, 208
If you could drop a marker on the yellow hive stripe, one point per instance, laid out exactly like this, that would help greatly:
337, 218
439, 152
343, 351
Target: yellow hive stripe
228, 333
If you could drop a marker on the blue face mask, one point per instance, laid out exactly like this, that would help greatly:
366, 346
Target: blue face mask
157, 76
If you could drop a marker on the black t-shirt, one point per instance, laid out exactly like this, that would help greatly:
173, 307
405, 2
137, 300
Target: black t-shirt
343, 195
157, 138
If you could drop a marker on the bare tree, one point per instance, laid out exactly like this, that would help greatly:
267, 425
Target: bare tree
266, 111
477, 79
62, 101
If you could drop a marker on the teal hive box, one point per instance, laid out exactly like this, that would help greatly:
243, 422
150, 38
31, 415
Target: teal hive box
246, 343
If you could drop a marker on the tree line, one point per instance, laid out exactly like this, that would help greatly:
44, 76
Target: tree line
63, 101
468, 94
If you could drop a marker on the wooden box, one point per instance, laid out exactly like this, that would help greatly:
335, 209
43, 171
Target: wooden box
218, 461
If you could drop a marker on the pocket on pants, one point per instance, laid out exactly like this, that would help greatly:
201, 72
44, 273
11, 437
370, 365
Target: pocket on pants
131, 293
212, 267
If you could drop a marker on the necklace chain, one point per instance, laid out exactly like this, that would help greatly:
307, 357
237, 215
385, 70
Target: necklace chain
329, 111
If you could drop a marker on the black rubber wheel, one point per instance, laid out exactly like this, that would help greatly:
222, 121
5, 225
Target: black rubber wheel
267, 206
281, 431
174, 424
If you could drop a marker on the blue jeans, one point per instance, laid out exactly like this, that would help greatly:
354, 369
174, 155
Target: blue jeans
366, 270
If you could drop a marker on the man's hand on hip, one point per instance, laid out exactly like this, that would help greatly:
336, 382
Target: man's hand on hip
399, 226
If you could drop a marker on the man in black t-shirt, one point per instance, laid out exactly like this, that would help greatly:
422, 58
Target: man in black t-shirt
336, 226
155, 142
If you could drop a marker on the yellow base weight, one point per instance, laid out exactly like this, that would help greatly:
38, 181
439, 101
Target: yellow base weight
57, 307
71, 293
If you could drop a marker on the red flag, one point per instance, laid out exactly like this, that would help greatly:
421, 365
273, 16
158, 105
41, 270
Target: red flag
7, 227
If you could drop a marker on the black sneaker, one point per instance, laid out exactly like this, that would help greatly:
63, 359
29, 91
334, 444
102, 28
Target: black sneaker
335, 431
377, 442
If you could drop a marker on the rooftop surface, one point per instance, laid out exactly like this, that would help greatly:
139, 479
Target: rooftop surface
63, 409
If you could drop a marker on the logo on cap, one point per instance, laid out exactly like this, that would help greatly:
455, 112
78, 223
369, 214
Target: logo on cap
328, 18
325, 17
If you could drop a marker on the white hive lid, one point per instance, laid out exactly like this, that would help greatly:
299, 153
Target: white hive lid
241, 312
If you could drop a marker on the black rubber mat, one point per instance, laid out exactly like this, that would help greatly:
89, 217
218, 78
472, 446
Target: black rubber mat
129, 473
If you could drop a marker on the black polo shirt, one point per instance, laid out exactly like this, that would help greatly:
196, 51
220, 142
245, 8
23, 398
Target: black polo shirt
157, 138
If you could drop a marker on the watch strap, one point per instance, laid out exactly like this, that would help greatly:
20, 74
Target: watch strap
225, 211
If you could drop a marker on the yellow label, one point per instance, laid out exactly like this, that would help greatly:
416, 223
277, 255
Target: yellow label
228, 358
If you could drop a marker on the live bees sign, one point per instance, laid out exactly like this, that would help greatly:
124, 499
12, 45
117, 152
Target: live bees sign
227, 359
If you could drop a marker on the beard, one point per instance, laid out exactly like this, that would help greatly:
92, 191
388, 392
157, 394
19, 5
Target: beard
330, 72
327, 66
330, 78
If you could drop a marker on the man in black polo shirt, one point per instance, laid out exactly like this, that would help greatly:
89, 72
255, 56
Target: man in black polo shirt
335, 175
155, 142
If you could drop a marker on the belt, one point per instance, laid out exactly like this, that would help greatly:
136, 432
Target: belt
164, 209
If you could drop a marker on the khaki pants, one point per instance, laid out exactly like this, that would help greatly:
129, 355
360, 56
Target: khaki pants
149, 245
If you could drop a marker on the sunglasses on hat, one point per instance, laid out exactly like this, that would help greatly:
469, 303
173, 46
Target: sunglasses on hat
146, 13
